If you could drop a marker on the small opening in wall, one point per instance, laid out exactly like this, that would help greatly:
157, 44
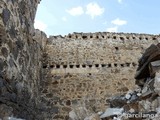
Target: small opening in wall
122, 65
91, 36
102, 36
90, 66
76, 36
44, 54
134, 64
103, 65
96, 65
116, 48
127, 38
68, 102
146, 38
133, 38
69, 36
84, 37
154, 38
45, 66
77, 66
57, 66
64, 66
127, 64
114, 37
109, 65
83, 66
55, 82
140, 38
51, 66
97, 37
71, 66
121, 38
89, 74
115, 64
108, 37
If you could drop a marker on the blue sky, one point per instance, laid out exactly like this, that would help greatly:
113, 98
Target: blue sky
61, 17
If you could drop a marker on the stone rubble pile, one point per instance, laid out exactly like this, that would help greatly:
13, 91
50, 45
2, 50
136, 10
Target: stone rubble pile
11, 118
82, 113
144, 102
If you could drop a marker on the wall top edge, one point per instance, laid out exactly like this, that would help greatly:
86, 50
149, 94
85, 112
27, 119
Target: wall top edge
106, 35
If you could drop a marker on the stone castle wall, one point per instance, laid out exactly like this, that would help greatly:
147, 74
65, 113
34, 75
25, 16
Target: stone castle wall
45, 78
90, 67
20, 59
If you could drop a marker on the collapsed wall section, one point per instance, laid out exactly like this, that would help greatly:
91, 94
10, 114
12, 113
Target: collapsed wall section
20, 59
88, 68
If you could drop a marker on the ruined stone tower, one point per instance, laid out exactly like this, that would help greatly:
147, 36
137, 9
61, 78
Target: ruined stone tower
45, 78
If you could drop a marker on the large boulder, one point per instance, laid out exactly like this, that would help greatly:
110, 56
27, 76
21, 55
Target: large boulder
151, 54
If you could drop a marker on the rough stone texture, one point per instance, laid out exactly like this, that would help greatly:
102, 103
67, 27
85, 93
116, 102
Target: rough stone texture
91, 67
46, 78
143, 102
20, 59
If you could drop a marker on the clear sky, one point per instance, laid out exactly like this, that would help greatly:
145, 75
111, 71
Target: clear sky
60, 17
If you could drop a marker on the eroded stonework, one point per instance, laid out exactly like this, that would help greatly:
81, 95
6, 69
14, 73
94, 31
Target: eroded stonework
20, 59
45, 78
89, 68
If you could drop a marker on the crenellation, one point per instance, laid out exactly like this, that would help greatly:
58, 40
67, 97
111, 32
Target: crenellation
120, 37
46, 78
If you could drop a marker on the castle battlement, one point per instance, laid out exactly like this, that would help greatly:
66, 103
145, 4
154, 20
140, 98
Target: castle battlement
45, 78
106, 35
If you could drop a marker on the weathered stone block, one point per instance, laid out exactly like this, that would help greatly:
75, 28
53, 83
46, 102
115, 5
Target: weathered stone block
20, 44
1, 83
54, 110
5, 15
4, 52
1, 64
6, 111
